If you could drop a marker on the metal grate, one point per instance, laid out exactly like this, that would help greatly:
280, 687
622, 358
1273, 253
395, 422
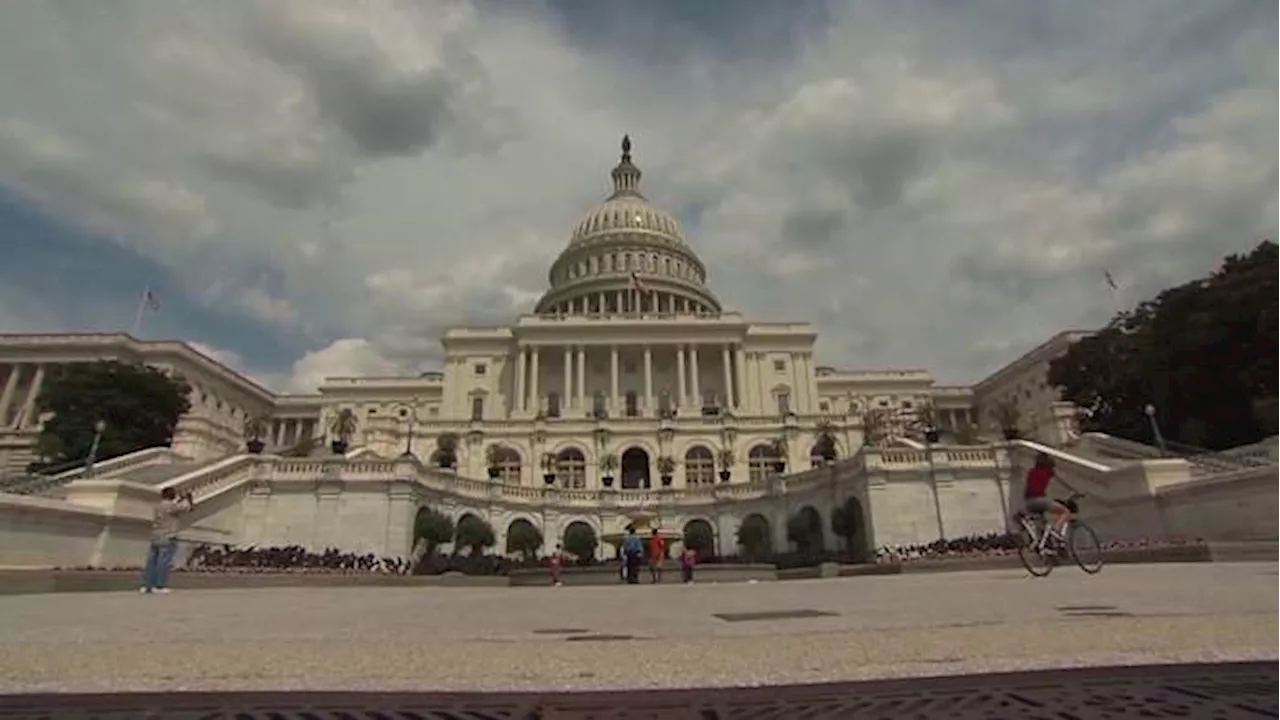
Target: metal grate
774, 615
1199, 692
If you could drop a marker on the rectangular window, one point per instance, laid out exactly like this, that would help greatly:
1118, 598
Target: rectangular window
553, 405
598, 408
633, 408
779, 365
481, 369
477, 408
784, 403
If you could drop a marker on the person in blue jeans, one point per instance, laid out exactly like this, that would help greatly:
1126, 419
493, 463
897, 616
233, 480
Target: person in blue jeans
165, 525
632, 554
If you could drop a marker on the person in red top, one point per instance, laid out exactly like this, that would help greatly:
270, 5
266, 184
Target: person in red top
657, 553
556, 564
1035, 496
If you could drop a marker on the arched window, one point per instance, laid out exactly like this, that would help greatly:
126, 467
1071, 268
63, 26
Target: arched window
699, 467
760, 462
571, 468
508, 465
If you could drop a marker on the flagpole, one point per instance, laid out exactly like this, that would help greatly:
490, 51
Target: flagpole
142, 310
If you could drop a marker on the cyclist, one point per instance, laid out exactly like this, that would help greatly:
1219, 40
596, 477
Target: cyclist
1035, 498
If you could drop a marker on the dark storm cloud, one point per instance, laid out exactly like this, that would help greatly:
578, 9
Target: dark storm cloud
814, 228
383, 111
875, 166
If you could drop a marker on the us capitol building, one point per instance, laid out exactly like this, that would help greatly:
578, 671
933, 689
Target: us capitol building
629, 388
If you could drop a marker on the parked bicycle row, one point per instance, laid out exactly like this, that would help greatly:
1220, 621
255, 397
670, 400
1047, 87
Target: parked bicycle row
272, 559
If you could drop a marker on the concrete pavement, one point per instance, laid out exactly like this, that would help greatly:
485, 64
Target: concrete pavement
629, 636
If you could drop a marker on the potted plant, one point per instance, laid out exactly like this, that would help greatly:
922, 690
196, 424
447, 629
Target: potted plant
725, 459
255, 426
1008, 416
666, 466
494, 455
608, 466
342, 427
446, 453
779, 455
549, 468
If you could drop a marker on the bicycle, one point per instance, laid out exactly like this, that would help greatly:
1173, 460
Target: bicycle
1040, 546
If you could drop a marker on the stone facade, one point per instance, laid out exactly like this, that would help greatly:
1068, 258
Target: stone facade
628, 357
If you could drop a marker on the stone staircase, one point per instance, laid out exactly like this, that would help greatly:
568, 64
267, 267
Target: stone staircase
1112, 450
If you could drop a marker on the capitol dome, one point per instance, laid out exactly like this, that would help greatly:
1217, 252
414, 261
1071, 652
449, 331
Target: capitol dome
628, 257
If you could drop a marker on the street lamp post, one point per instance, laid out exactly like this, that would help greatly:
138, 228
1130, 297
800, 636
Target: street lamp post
1150, 411
930, 437
98, 428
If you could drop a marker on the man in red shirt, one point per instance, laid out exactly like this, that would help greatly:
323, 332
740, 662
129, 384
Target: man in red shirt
657, 553
1035, 493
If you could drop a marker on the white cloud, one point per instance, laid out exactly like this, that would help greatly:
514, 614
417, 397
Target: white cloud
379, 170
349, 357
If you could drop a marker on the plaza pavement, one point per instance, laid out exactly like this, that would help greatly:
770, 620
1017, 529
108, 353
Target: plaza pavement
523, 638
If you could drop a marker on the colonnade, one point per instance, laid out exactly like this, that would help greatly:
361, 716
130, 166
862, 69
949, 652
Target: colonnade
18, 410
729, 392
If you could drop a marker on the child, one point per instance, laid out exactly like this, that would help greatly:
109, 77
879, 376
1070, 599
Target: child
688, 558
556, 564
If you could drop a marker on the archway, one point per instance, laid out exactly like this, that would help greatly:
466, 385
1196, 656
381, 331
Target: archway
849, 524
804, 530
635, 469
755, 537
523, 539
580, 540
699, 537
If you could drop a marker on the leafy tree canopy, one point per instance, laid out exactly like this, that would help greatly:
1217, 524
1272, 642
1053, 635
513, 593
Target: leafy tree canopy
475, 533
580, 541
699, 537
524, 538
1203, 354
433, 528
140, 405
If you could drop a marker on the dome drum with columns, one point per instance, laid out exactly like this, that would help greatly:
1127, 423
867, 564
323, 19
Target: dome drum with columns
627, 257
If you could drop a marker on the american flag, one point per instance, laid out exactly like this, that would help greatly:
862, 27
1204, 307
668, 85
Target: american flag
636, 284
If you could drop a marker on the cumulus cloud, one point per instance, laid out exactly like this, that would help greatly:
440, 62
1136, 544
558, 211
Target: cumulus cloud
934, 185
348, 357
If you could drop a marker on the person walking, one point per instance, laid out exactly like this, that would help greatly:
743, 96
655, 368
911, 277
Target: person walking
688, 559
556, 564
632, 552
165, 524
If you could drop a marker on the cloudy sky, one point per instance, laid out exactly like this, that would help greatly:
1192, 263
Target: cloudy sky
319, 187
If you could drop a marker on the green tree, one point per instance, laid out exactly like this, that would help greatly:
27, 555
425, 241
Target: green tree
754, 538
140, 406
699, 537
475, 533
1203, 354
524, 538
846, 524
580, 541
433, 528
804, 529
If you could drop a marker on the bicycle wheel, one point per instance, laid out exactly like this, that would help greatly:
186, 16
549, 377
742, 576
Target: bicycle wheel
1033, 560
1084, 547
